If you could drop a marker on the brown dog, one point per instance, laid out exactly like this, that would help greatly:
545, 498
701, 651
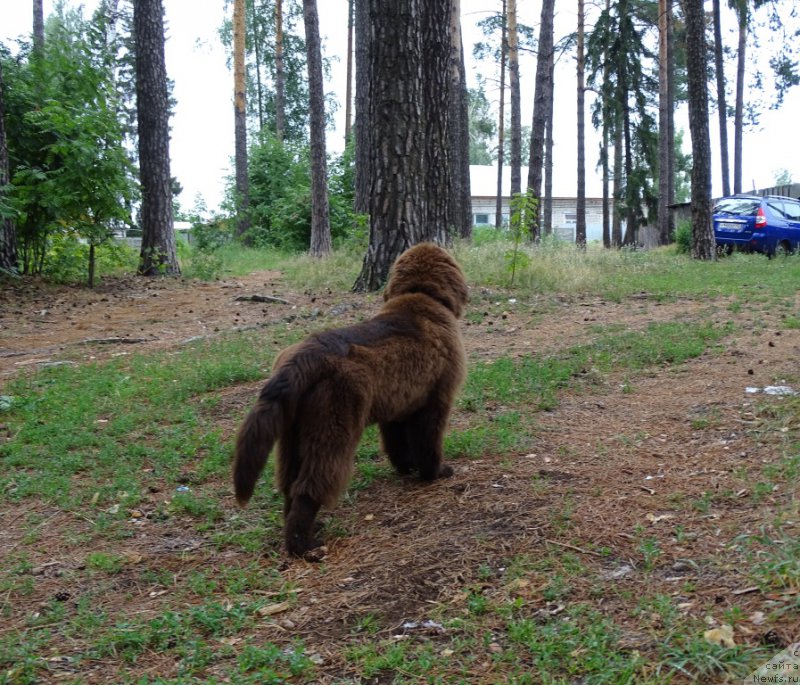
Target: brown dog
400, 370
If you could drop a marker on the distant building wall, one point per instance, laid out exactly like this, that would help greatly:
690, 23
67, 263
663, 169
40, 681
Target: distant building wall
565, 215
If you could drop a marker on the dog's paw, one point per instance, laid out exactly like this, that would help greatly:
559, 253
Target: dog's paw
306, 548
316, 555
445, 471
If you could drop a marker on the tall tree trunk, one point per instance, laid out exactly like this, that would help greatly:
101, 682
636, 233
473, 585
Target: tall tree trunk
631, 215
407, 51
436, 95
580, 223
257, 41
320, 215
703, 246
540, 105
671, 118
513, 82
738, 120
348, 106
158, 255
608, 228
280, 74
460, 196
8, 236
606, 192
363, 132
665, 143
722, 108
547, 215
618, 191
623, 88
38, 26
501, 121
240, 118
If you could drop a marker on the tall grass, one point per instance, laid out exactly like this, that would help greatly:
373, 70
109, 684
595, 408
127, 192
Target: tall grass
558, 267
550, 267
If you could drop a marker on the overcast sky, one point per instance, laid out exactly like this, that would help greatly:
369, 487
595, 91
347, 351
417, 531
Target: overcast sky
202, 125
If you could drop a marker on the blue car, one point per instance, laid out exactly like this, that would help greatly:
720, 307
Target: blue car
770, 224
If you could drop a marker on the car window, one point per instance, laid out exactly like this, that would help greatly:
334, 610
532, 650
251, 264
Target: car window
746, 206
776, 208
792, 210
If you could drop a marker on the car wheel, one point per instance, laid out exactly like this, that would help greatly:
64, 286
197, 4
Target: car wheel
724, 250
783, 249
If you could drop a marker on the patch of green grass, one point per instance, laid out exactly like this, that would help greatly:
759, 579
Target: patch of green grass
104, 561
687, 653
106, 421
536, 380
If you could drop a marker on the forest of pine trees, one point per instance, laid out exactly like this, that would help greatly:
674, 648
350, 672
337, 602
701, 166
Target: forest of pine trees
416, 118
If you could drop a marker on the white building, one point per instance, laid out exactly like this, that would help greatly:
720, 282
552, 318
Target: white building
483, 187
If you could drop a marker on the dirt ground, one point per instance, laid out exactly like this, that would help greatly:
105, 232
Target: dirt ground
616, 457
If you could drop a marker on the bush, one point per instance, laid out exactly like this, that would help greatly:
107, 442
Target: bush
683, 236
280, 197
67, 259
211, 235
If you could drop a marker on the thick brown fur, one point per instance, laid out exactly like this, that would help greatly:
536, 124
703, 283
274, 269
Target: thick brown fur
401, 370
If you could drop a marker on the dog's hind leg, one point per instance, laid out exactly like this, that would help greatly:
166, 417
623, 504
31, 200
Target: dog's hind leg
425, 430
397, 445
324, 453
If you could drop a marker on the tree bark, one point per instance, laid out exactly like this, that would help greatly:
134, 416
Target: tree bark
501, 123
547, 214
460, 196
607, 218
363, 133
158, 255
738, 120
407, 51
280, 74
240, 118
8, 236
540, 111
320, 214
436, 123
513, 82
703, 246
722, 108
665, 143
580, 223
38, 26
348, 106
258, 37
618, 195
671, 118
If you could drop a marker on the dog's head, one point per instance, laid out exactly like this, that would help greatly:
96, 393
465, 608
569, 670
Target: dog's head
429, 269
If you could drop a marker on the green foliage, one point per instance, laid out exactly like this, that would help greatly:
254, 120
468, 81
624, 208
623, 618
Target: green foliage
70, 175
280, 196
619, 65
683, 237
213, 234
260, 44
67, 258
482, 126
524, 209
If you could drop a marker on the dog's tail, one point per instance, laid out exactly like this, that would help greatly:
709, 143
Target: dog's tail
264, 424
259, 432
